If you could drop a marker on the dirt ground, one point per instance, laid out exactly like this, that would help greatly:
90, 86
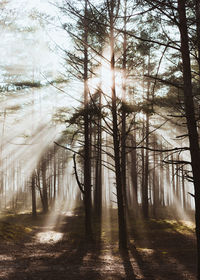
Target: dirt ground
56, 250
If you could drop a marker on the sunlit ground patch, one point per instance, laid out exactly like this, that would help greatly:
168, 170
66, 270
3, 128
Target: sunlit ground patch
147, 251
49, 236
68, 213
5, 258
188, 224
182, 227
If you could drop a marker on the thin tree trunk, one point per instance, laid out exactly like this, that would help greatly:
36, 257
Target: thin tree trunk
173, 182
155, 183
34, 212
54, 175
44, 187
134, 175
162, 198
145, 203
143, 173
98, 171
183, 189
123, 133
87, 144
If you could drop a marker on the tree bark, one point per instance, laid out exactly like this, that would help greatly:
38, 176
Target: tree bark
123, 133
98, 169
134, 175
87, 146
190, 117
155, 183
34, 212
116, 140
44, 188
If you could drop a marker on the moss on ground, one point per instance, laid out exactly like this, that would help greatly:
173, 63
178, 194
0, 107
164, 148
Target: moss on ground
12, 232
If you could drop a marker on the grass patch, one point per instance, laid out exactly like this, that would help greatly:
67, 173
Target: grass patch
12, 232
14, 227
152, 226
171, 226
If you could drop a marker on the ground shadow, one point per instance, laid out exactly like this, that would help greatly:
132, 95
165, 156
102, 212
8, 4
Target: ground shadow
157, 250
161, 251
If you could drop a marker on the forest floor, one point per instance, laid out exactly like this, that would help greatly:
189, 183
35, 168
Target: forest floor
56, 250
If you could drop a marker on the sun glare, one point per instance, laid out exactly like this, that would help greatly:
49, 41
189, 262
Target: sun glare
103, 76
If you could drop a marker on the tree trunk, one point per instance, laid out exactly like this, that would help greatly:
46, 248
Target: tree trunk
34, 212
44, 188
116, 141
123, 133
145, 202
54, 175
155, 183
197, 10
183, 189
173, 183
87, 146
98, 171
134, 175
162, 197
190, 117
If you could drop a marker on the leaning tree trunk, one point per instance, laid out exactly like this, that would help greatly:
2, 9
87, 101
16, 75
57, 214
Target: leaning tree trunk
190, 117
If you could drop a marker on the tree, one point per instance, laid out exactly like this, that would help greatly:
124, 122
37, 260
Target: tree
168, 10
190, 117
113, 9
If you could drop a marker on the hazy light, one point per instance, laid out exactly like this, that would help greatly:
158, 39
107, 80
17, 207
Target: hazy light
66, 199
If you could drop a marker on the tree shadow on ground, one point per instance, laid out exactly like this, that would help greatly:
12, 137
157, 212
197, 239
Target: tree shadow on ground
156, 251
128, 267
70, 258
162, 251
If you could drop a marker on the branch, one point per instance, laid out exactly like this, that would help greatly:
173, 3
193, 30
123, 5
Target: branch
129, 33
192, 194
68, 149
76, 175
53, 85
182, 136
170, 83
159, 150
176, 162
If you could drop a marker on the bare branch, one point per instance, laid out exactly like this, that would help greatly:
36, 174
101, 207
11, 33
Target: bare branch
68, 149
76, 175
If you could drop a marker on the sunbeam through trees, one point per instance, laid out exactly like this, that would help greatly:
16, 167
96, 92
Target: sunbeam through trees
99, 139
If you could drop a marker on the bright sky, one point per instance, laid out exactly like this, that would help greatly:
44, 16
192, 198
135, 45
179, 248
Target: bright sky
25, 51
